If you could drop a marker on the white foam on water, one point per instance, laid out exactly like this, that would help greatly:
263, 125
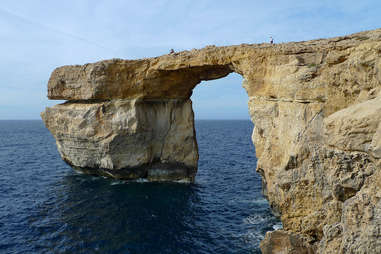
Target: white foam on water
182, 181
140, 180
117, 182
261, 201
278, 226
255, 219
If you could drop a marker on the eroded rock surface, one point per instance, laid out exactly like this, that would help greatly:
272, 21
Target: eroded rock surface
280, 242
316, 109
127, 139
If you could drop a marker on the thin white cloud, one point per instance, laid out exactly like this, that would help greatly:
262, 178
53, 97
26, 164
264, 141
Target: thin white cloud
51, 29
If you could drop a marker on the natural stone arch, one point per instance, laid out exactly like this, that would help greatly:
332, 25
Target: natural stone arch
301, 98
152, 97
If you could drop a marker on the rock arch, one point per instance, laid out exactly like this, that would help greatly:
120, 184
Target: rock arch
133, 119
316, 110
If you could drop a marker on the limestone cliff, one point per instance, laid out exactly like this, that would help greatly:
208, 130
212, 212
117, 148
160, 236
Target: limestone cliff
127, 139
316, 109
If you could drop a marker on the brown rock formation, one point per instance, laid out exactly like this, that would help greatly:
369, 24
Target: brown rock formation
279, 242
127, 139
316, 109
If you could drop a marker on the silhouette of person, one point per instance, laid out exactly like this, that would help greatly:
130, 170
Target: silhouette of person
171, 51
271, 40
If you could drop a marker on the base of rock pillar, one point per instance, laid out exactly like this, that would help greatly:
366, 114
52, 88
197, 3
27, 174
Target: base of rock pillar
127, 139
170, 172
156, 172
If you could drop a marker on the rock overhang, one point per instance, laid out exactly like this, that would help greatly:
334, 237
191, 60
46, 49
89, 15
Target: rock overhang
129, 79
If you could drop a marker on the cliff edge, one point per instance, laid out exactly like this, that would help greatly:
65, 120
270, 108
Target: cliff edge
316, 106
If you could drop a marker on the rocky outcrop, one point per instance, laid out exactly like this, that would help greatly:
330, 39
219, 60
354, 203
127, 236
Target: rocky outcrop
127, 139
280, 242
316, 109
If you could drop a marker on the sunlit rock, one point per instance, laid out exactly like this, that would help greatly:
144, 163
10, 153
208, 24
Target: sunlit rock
316, 109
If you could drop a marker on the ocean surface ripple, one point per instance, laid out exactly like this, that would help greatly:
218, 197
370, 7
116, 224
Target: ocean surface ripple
46, 207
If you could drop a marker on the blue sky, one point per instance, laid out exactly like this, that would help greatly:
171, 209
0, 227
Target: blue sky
37, 36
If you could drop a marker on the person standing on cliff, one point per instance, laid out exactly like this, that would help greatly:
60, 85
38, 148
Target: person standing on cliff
271, 40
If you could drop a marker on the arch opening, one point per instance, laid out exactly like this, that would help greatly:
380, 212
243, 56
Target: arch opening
221, 112
221, 99
231, 187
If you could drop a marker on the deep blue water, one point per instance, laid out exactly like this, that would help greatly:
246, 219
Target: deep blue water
46, 207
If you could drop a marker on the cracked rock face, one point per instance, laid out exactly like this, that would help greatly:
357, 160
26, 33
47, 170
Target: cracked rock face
127, 139
316, 110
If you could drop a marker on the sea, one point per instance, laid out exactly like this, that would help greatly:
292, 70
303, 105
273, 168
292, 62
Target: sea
47, 207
